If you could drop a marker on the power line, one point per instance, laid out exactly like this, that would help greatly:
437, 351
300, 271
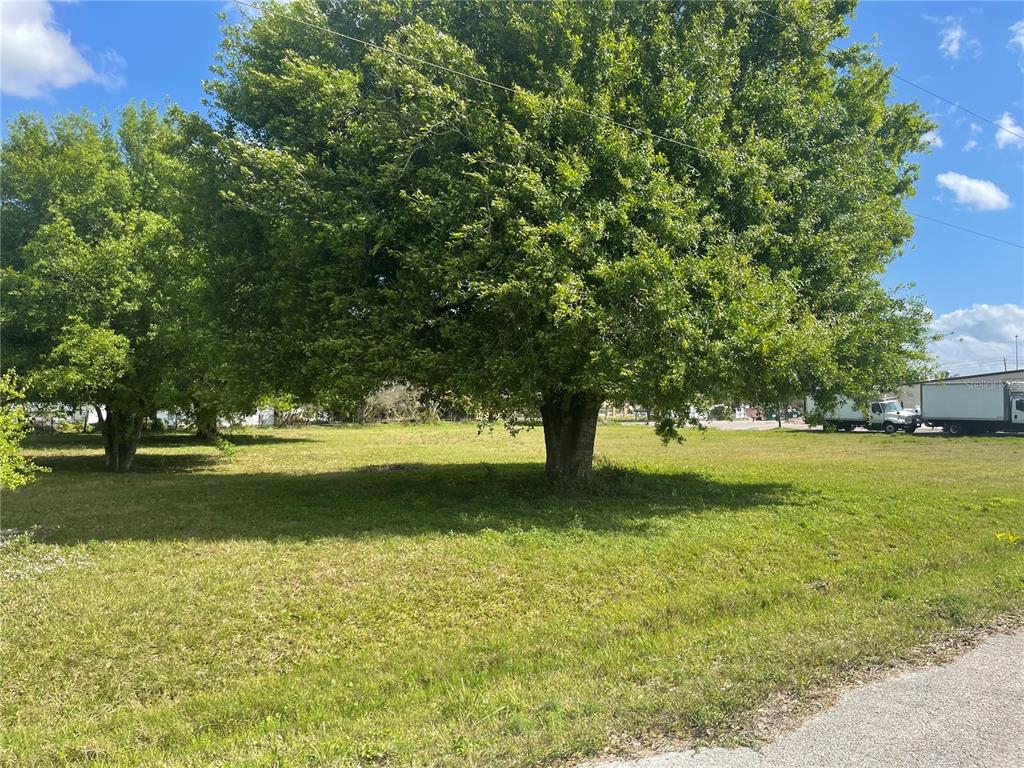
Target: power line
965, 229
457, 73
942, 98
500, 86
906, 80
968, 363
595, 115
958, 106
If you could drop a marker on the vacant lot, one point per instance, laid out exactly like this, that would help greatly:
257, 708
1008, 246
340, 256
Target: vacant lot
420, 596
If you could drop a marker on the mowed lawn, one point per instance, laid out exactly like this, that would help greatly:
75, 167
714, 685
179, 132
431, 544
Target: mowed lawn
421, 596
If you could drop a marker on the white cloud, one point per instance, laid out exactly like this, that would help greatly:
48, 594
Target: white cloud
1017, 35
952, 40
111, 65
38, 57
1011, 134
979, 338
975, 128
976, 194
971, 144
933, 139
955, 40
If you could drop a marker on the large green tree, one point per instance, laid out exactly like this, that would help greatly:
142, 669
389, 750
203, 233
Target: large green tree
103, 291
658, 202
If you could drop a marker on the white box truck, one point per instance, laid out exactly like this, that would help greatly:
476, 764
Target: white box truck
973, 407
887, 415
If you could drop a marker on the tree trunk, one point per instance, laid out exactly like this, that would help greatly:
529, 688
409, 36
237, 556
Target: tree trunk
206, 422
121, 433
570, 424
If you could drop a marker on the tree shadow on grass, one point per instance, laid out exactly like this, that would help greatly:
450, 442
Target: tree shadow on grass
155, 440
148, 459
387, 500
145, 463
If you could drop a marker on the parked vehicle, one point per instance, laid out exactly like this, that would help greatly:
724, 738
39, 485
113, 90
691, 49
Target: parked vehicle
887, 415
967, 407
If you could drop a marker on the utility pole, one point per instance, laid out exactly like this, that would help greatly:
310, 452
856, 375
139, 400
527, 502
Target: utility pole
1016, 352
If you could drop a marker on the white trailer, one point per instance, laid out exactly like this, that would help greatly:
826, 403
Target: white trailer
887, 415
973, 407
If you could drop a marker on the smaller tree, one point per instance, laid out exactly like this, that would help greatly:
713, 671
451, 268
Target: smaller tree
15, 469
100, 282
91, 365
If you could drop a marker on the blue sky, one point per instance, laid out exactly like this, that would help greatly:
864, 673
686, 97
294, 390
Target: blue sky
61, 56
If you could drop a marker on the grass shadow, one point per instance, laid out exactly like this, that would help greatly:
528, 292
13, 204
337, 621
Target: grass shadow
153, 440
145, 463
148, 459
381, 500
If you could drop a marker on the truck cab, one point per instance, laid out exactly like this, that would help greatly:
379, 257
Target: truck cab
890, 416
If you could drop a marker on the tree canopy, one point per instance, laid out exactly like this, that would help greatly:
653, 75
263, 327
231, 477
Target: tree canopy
655, 202
102, 290
535, 206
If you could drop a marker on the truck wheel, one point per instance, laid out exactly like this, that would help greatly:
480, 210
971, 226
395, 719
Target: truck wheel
955, 429
889, 427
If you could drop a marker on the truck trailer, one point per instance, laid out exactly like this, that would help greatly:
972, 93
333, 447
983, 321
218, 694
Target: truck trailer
968, 407
887, 415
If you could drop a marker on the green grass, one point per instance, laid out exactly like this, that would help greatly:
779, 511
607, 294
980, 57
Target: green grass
420, 596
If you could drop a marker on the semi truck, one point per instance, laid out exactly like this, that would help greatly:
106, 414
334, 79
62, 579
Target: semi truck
887, 415
968, 407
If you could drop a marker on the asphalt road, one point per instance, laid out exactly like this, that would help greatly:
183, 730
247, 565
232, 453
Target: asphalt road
966, 714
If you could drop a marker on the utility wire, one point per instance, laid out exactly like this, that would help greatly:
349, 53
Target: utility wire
958, 106
972, 363
595, 115
904, 79
607, 119
965, 229
457, 73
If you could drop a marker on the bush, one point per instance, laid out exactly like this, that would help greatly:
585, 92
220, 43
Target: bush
398, 402
15, 469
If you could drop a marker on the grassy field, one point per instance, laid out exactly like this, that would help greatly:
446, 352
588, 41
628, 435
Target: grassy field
420, 596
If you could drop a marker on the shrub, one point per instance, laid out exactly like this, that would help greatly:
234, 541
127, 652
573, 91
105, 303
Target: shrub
398, 402
15, 469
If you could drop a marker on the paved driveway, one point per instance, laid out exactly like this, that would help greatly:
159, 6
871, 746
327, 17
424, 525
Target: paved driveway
966, 714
